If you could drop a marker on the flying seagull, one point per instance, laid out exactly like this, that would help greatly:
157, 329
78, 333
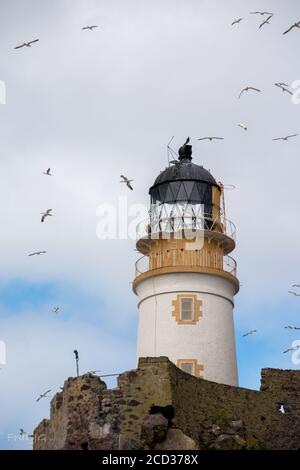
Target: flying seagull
226, 186
283, 87
243, 126
236, 21
211, 138
260, 13
293, 293
286, 138
295, 25
47, 173
24, 433
292, 348
127, 181
46, 214
37, 253
55, 310
289, 327
26, 44
43, 395
250, 332
265, 21
90, 27
247, 88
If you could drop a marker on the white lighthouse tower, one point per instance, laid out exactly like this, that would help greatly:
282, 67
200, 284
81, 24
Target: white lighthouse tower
185, 280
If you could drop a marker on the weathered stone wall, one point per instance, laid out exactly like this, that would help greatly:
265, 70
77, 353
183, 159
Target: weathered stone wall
158, 406
72, 413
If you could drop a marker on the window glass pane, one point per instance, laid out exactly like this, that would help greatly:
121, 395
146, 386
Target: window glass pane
182, 196
154, 195
169, 194
205, 194
186, 309
195, 196
162, 192
187, 367
189, 188
175, 188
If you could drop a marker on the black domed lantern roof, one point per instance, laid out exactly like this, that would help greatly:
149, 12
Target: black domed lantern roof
184, 182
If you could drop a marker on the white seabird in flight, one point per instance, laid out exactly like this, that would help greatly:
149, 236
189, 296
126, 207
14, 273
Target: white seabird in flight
127, 181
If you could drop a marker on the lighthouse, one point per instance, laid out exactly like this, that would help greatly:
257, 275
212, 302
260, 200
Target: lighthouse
185, 280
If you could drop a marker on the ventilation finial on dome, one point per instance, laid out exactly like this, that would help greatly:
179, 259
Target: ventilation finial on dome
185, 152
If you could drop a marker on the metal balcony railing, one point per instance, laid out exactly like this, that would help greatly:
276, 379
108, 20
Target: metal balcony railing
164, 227
191, 258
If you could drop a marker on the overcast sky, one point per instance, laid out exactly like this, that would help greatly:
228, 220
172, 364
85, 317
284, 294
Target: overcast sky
96, 104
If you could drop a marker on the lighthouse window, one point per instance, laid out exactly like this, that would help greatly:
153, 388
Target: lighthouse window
186, 309
190, 366
187, 367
